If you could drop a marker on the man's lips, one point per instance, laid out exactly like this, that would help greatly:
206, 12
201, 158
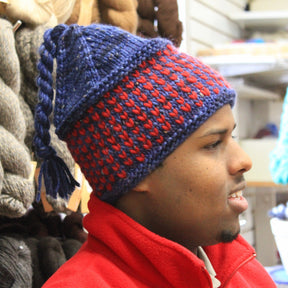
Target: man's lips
236, 200
237, 191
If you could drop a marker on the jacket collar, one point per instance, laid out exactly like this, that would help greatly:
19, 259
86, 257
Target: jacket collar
129, 240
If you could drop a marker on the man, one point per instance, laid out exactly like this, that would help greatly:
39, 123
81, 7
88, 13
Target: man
152, 130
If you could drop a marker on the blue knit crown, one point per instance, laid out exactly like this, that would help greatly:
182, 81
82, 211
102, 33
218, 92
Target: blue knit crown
123, 104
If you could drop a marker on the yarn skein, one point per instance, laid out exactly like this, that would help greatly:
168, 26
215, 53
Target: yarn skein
63, 9
51, 255
34, 12
15, 263
17, 191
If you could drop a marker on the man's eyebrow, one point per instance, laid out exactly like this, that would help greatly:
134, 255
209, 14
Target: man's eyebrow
216, 132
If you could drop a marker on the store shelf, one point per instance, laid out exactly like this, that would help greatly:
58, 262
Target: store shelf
276, 77
258, 19
241, 65
265, 71
238, 65
245, 91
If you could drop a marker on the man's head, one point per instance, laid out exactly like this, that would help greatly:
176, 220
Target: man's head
195, 197
123, 104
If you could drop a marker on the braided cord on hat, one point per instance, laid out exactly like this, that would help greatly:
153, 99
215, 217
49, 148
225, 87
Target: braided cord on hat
57, 177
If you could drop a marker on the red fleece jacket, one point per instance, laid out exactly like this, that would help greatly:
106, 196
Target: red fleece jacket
121, 253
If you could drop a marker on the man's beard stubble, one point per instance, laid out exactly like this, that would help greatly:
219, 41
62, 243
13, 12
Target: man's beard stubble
227, 236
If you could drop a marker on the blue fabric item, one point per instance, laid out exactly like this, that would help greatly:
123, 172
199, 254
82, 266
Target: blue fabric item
280, 211
122, 104
279, 156
279, 275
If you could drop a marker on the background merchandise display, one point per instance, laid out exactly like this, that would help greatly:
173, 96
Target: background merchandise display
36, 241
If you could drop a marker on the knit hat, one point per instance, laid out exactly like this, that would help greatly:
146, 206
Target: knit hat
123, 104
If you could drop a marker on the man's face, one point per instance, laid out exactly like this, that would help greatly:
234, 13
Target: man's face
194, 198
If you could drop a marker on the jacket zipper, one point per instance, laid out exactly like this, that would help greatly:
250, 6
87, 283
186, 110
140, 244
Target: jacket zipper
242, 264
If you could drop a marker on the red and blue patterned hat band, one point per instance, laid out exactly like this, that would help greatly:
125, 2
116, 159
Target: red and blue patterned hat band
123, 104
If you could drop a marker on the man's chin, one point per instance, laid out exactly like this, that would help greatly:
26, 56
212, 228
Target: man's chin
228, 236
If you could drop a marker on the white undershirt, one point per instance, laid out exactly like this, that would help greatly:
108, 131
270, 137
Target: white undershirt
203, 256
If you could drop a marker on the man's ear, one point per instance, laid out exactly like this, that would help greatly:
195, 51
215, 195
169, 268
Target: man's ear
143, 186
147, 184
132, 201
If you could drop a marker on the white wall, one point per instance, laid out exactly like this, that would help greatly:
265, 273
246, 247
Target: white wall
207, 23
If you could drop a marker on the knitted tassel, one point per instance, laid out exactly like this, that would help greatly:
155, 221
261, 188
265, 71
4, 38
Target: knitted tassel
55, 173
279, 156
57, 178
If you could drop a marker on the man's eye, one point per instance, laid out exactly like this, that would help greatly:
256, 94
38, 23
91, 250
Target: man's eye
213, 145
